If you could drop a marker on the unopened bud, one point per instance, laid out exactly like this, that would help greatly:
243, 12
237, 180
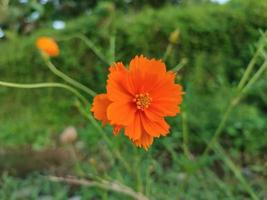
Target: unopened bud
174, 37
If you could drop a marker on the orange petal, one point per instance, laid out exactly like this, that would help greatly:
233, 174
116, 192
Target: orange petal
155, 128
144, 141
152, 114
145, 73
166, 88
171, 92
147, 66
121, 113
164, 109
134, 130
99, 107
116, 129
167, 96
118, 88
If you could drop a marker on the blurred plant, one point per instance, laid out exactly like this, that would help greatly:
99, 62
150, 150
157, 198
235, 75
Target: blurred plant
103, 184
3, 9
69, 135
244, 86
173, 40
91, 46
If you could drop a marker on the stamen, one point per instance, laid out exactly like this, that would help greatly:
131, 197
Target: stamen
142, 101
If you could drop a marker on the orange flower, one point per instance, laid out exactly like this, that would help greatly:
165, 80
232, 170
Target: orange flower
138, 99
48, 45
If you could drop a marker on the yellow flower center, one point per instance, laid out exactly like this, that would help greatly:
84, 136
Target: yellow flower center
142, 100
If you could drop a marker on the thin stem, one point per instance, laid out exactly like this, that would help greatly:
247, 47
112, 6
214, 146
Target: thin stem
235, 100
180, 65
112, 50
44, 85
90, 44
251, 65
237, 172
168, 51
136, 170
71, 81
147, 175
73, 154
106, 185
219, 128
105, 137
232, 104
220, 184
185, 136
255, 77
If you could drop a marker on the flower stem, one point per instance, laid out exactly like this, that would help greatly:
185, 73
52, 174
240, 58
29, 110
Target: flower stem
45, 85
252, 63
104, 184
112, 49
236, 171
105, 137
232, 104
90, 44
60, 74
219, 129
243, 86
180, 65
136, 170
185, 136
168, 51
255, 77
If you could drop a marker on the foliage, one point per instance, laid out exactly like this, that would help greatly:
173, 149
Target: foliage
216, 40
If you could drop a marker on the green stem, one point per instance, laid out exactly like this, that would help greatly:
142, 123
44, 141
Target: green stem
255, 77
44, 85
252, 63
210, 175
90, 44
180, 65
250, 67
71, 81
112, 49
105, 137
147, 175
136, 170
73, 154
219, 129
185, 136
168, 51
104, 184
232, 104
237, 172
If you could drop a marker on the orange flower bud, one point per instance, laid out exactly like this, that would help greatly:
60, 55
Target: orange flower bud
48, 45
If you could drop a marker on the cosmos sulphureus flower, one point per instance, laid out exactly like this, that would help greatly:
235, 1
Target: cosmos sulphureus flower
138, 99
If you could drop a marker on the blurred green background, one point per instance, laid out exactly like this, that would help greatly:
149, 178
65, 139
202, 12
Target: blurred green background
214, 42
